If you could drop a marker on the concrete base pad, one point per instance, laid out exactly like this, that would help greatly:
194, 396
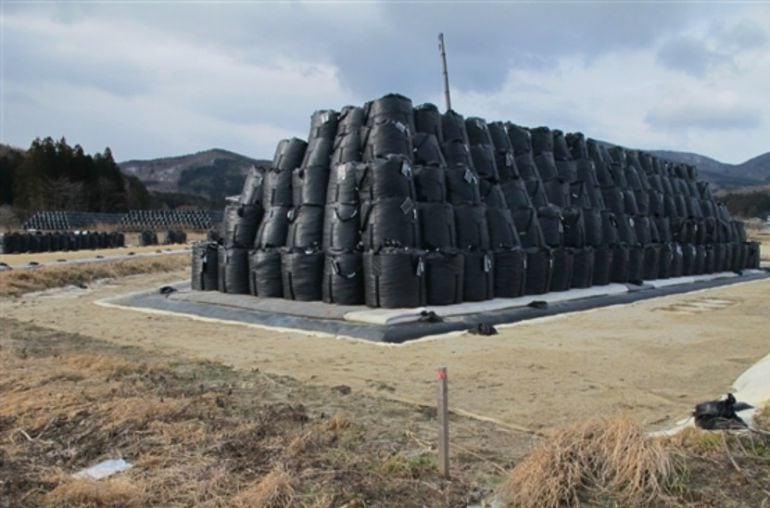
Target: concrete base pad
400, 325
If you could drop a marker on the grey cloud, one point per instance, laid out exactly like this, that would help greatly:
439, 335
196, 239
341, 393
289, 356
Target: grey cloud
709, 117
744, 35
689, 55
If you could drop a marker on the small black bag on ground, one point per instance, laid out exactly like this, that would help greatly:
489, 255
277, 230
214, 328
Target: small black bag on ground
265, 278
394, 278
233, 277
510, 273
479, 277
343, 278
444, 277
302, 274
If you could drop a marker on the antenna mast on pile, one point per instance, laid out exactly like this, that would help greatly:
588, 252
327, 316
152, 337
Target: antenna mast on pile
446, 73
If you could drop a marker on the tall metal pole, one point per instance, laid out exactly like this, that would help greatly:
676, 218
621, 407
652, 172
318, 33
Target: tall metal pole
446, 73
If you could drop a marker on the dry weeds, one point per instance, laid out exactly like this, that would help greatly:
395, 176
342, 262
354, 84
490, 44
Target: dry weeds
200, 434
608, 458
19, 282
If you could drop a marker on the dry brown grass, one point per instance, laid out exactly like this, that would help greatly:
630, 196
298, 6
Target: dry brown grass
272, 491
19, 282
116, 493
607, 458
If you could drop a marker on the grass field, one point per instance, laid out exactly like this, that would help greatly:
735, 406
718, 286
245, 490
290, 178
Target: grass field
213, 415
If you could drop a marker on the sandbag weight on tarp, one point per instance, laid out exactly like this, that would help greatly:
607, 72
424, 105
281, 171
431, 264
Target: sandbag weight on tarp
437, 226
390, 222
394, 278
274, 228
341, 227
479, 276
302, 274
306, 226
233, 277
343, 278
265, 278
429, 184
444, 276
309, 185
510, 273
602, 265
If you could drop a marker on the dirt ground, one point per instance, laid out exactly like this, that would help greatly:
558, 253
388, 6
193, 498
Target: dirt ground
651, 361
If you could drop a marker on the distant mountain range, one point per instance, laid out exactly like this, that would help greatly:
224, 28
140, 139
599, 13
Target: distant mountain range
753, 172
211, 174
214, 174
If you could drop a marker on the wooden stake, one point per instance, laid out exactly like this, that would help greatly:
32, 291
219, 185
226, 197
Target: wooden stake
443, 422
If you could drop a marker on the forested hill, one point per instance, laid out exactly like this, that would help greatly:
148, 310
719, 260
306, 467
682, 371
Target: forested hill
211, 174
52, 175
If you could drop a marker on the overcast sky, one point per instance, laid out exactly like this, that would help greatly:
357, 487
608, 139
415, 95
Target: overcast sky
153, 79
